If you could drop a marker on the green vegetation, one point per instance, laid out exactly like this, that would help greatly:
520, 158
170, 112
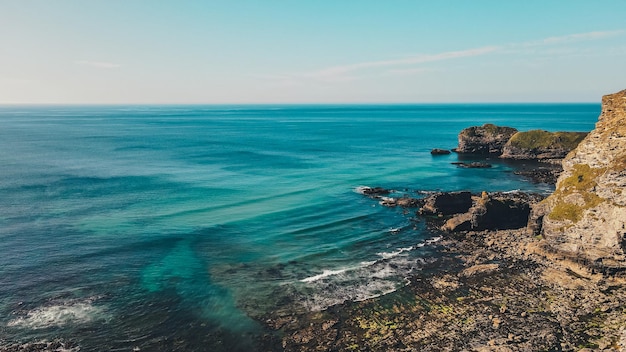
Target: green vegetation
487, 129
536, 139
581, 182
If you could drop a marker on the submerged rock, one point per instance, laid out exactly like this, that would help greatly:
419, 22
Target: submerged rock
485, 139
472, 165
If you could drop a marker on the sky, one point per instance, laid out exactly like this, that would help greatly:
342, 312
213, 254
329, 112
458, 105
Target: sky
339, 51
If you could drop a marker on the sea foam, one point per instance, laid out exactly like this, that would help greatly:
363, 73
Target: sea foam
58, 315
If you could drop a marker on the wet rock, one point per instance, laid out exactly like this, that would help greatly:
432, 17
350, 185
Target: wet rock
373, 191
404, 202
446, 203
438, 151
541, 174
486, 139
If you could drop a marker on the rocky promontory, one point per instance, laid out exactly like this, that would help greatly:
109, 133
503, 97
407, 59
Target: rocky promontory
509, 143
485, 139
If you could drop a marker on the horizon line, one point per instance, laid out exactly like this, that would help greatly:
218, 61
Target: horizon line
302, 103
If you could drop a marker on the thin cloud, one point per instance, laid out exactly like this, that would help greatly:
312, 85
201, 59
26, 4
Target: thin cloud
98, 64
576, 37
407, 65
412, 60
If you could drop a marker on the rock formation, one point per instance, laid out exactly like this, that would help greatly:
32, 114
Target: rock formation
447, 203
586, 215
438, 151
541, 145
495, 211
485, 139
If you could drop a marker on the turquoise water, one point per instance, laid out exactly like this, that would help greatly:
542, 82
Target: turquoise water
180, 227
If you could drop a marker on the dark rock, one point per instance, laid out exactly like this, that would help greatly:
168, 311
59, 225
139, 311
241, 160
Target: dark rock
495, 211
547, 175
486, 139
472, 165
438, 151
404, 202
373, 191
446, 203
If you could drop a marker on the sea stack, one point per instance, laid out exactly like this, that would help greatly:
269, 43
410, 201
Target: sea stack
585, 217
485, 139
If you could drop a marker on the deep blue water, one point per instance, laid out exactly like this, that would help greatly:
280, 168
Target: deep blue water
179, 227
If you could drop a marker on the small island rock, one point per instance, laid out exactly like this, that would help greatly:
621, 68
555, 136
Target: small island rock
485, 139
438, 151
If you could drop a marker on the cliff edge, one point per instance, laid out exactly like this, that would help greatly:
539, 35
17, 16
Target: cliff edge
585, 217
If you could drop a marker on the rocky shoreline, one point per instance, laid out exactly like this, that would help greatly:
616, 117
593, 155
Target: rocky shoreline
512, 275
490, 291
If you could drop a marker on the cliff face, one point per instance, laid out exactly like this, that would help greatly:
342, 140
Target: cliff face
586, 215
541, 145
486, 139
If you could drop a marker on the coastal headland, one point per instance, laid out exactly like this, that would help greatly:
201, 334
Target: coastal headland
517, 271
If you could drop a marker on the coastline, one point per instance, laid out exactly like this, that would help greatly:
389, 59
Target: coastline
489, 291
501, 286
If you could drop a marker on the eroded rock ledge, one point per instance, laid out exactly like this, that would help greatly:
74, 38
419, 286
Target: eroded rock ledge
585, 217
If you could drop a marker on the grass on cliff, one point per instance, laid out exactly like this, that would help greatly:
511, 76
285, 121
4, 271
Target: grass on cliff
535, 139
582, 182
488, 129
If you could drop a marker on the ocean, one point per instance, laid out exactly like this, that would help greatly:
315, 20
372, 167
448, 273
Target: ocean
179, 228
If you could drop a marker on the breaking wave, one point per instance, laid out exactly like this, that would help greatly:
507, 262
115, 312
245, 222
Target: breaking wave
364, 281
64, 313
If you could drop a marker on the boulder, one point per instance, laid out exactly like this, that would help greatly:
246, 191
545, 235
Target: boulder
446, 203
541, 145
485, 139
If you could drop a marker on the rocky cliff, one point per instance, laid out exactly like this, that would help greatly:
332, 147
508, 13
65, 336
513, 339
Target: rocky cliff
541, 145
486, 139
586, 215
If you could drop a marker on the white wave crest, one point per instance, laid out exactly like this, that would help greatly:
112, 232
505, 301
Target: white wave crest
324, 274
58, 315
367, 280
387, 255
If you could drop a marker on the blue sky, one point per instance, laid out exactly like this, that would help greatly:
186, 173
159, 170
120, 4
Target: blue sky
341, 51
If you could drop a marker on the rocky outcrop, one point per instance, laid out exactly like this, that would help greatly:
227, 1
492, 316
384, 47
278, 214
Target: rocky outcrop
485, 139
541, 145
438, 151
547, 173
586, 215
495, 211
446, 203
